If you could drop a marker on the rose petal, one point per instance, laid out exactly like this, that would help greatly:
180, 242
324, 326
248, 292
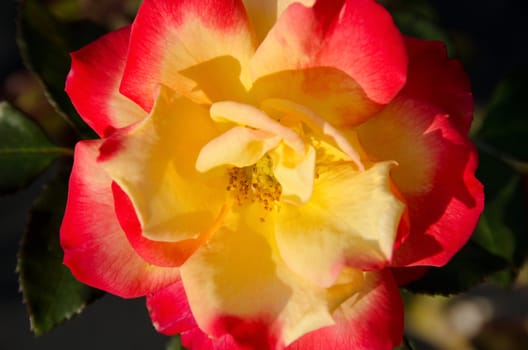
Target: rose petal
351, 220
435, 175
168, 254
239, 147
294, 173
154, 164
93, 84
356, 37
196, 339
200, 50
95, 248
263, 14
237, 284
374, 320
244, 114
169, 310
437, 80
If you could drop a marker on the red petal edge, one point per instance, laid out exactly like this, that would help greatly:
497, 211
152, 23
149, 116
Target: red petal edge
93, 82
375, 321
95, 248
442, 220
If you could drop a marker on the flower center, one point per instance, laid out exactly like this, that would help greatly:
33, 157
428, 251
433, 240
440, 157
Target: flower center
255, 183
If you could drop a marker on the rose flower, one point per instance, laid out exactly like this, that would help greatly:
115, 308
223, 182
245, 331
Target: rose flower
265, 167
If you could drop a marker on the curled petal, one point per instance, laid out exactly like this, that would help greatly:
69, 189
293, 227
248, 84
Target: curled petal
169, 254
263, 14
95, 247
237, 285
93, 84
169, 309
173, 201
372, 320
351, 220
200, 50
356, 37
295, 173
248, 115
436, 176
451, 90
319, 125
238, 147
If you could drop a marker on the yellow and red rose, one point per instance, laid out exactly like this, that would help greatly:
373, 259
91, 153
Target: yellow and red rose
265, 168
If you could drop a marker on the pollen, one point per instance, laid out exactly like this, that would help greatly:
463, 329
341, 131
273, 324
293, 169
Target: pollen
255, 184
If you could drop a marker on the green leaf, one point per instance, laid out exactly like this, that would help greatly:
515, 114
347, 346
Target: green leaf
503, 169
25, 151
469, 267
45, 44
51, 293
505, 125
174, 344
503, 226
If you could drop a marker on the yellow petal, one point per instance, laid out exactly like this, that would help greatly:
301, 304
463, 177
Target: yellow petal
202, 52
239, 277
316, 123
402, 132
350, 220
239, 147
154, 163
294, 173
248, 115
263, 14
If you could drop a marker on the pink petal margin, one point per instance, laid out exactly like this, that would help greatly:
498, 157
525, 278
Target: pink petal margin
375, 321
96, 249
93, 83
357, 37
443, 219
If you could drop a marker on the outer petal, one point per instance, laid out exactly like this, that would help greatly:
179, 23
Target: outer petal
189, 43
374, 320
169, 310
435, 79
196, 339
356, 38
167, 254
237, 284
93, 84
435, 175
350, 220
171, 314
95, 248
154, 164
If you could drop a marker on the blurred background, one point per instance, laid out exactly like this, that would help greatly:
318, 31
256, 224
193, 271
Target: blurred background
489, 37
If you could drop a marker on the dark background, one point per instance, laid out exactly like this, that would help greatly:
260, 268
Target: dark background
495, 37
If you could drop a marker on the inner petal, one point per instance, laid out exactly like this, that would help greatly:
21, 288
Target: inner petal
154, 164
244, 114
316, 123
294, 173
239, 147
351, 220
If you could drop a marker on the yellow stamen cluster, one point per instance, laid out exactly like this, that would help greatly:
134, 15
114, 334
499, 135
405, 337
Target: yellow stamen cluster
255, 183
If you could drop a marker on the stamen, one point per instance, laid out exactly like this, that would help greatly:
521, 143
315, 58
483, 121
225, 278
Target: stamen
255, 183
